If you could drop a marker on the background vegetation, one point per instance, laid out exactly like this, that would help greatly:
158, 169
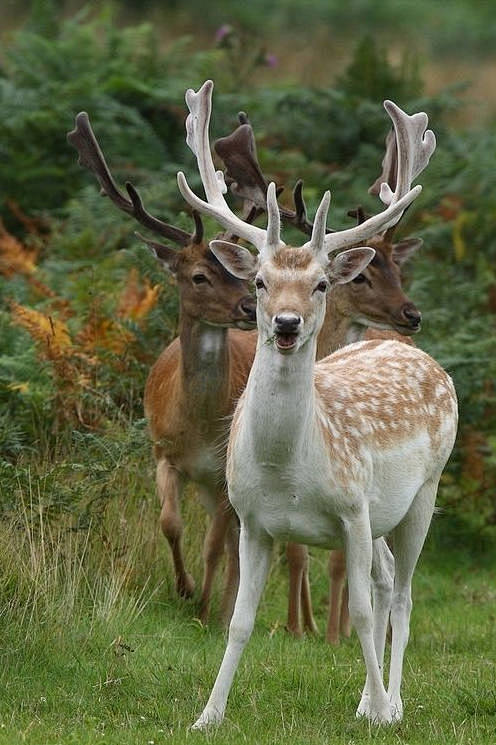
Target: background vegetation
84, 311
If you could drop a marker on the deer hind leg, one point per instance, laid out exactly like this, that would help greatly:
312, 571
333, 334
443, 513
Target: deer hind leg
213, 549
337, 599
382, 588
408, 538
358, 545
255, 553
169, 488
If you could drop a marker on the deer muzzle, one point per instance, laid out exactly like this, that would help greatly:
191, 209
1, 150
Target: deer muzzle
287, 327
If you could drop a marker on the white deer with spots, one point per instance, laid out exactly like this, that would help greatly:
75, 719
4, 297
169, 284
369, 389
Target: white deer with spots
337, 453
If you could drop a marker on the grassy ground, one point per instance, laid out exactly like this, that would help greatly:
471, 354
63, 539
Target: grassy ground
96, 648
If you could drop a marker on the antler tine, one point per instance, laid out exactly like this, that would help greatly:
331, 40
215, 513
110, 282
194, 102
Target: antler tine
316, 242
378, 223
414, 147
91, 156
197, 125
299, 217
197, 236
389, 165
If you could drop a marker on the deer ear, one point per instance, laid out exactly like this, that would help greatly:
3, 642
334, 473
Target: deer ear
345, 266
405, 249
167, 256
237, 260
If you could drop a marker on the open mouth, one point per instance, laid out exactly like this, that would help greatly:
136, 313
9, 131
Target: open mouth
285, 342
408, 329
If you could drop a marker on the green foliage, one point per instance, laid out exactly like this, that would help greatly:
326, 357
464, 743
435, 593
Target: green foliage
133, 89
370, 75
130, 88
81, 557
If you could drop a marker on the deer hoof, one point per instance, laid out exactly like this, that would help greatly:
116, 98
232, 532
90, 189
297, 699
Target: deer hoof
185, 585
208, 718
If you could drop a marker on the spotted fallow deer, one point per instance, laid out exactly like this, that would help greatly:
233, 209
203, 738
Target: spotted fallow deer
192, 388
373, 305
335, 453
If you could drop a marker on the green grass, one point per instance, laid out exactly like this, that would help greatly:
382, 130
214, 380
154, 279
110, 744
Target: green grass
92, 652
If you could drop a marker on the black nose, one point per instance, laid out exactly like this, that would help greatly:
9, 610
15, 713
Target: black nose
287, 323
248, 307
412, 316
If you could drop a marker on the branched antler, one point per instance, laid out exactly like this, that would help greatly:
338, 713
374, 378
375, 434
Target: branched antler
91, 156
197, 123
245, 179
197, 137
242, 174
409, 146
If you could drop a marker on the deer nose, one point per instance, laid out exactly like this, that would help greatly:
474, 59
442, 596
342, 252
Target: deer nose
287, 323
248, 307
412, 316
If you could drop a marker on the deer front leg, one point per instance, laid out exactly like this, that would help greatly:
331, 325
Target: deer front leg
337, 579
306, 602
296, 556
231, 583
213, 548
255, 551
223, 532
358, 546
169, 488
344, 618
300, 599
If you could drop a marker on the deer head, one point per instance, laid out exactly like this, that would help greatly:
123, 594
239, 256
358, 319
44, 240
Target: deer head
291, 283
322, 245
375, 297
208, 292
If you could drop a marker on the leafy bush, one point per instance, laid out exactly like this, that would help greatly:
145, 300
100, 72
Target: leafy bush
93, 315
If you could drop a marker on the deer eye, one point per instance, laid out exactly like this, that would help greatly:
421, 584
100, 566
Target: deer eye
259, 284
322, 286
199, 278
359, 279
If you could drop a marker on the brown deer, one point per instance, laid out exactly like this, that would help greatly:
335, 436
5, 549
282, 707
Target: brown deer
336, 453
373, 305
192, 388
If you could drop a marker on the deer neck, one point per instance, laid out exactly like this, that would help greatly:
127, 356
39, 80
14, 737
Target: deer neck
338, 330
278, 413
205, 368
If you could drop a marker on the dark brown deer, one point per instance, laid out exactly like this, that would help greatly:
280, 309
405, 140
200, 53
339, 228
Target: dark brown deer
192, 388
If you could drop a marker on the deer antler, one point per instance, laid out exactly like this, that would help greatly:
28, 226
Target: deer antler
200, 106
197, 124
389, 165
245, 178
409, 146
415, 145
91, 156
239, 154
408, 150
